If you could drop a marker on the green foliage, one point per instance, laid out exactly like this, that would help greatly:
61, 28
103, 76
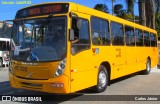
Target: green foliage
130, 5
128, 16
158, 23
120, 12
118, 9
101, 7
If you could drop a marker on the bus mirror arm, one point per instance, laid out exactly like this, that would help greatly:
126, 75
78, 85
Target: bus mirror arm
71, 35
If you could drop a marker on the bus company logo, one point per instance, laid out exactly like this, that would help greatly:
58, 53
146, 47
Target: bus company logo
6, 98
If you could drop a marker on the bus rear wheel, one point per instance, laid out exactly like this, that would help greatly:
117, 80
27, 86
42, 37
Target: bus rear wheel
102, 80
148, 67
1, 63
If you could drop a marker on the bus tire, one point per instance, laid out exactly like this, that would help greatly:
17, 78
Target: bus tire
148, 67
1, 63
102, 79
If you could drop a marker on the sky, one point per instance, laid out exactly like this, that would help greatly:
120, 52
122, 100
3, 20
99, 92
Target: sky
8, 11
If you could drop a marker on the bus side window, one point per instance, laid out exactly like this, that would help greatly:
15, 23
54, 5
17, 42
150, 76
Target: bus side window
153, 40
130, 40
117, 34
100, 31
82, 37
146, 39
139, 37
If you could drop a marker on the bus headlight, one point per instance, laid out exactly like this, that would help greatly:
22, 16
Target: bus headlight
60, 69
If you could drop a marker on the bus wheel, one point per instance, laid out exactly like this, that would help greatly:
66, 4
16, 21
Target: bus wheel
102, 80
1, 63
148, 67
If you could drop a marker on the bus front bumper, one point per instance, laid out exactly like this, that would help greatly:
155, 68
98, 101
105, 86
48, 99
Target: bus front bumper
54, 85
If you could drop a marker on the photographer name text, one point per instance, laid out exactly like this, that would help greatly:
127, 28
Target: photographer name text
16, 2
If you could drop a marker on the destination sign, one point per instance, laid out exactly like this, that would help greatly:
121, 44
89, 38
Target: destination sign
44, 9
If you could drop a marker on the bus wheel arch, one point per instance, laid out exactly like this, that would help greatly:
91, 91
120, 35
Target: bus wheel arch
108, 69
149, 58
103, 77
148, 66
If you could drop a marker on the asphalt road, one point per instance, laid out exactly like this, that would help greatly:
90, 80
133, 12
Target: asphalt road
135, 84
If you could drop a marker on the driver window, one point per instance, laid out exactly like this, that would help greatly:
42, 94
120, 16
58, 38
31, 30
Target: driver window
81, 31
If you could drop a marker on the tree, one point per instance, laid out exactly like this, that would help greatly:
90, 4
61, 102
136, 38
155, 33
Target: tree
158, 6
101, 7
142, 12
130, 7
150, 14
147, 12
157, 17
158, 23
120, 12
118, 8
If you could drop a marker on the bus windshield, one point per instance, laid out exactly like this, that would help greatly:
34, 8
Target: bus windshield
39, 39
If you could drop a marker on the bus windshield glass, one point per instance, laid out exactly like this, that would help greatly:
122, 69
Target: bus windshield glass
39, 39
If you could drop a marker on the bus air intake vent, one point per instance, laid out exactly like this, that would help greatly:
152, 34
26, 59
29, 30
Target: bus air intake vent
31, 85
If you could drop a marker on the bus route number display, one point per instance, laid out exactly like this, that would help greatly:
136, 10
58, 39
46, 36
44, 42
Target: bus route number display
44, 9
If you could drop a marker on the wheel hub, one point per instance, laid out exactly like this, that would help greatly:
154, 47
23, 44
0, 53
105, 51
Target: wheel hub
102, 79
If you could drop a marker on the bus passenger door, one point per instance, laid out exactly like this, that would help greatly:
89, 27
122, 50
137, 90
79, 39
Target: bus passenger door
81, 56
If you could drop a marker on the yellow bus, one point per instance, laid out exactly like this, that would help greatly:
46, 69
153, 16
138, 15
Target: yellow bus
65, 47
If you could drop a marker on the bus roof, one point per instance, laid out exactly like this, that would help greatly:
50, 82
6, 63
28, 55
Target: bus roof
90, 11
110, 17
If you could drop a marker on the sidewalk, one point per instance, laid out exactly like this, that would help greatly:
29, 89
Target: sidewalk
155, 70
4, 68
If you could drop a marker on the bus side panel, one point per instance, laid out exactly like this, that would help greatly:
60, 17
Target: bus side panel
118, 58
132, 59
154, 56
145, 53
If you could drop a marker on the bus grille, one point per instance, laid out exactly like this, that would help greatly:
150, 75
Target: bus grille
30, 78
31, 85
